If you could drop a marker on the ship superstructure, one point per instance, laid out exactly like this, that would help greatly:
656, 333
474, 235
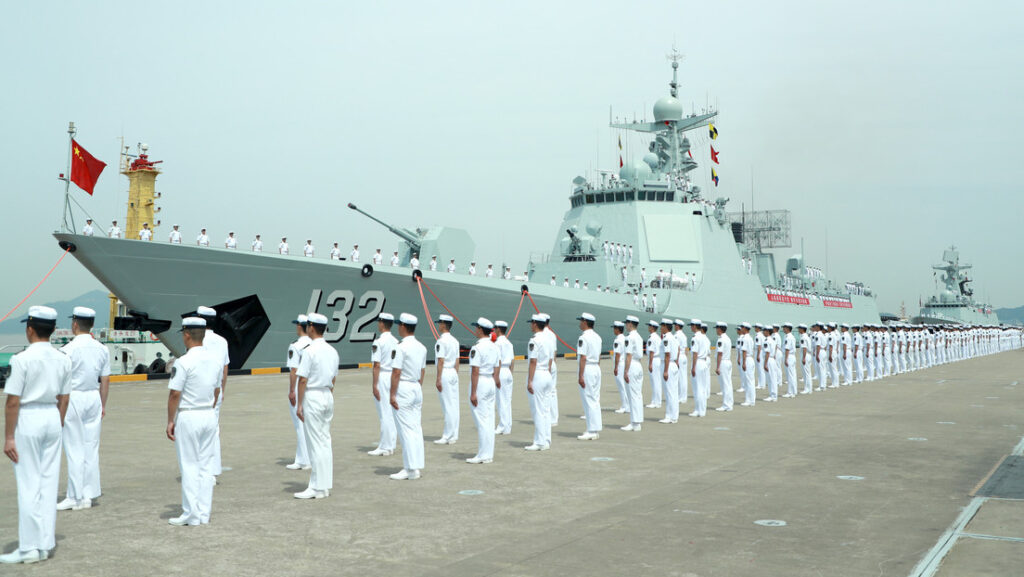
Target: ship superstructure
954, 301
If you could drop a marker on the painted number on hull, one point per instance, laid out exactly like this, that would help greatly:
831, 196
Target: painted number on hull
341, 303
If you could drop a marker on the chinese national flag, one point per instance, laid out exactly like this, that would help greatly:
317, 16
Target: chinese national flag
85, 168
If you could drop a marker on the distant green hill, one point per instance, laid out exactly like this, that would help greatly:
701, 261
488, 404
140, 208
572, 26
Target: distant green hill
1015, 316
97, 300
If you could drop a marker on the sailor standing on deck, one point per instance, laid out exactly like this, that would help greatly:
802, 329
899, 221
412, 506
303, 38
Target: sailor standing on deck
90, 382
410, 365
308, 251
806, 359
394, 259
789, 359
700, 368
380, 356
335, 252
433, 262
446, 358
762, 380
295, 352
175, 236
414, 262
868, 335
203, 239
506, 360
451, 266
553, 395
745, 345
317, 372
231, 242
538, 381
354, 255
87, 230
484, 381
634, 374
670, 371
833, 354
588, 353
114, 231
191, 424
723, 365
489, 273
472, 268
378, 258
282, 247
770, 367
858, 354
257, 244
37, 400
216, 343
618, 363
846, 360
146, 233
683, 378
654, 358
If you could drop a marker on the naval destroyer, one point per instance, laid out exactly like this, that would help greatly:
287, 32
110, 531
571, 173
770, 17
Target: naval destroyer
954, 302
690, 258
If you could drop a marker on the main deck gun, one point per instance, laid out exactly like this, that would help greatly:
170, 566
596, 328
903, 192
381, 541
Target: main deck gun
410, 238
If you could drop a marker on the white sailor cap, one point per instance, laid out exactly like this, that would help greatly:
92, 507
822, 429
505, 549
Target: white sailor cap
407, 319
802, 326
83, 313
206, 312
547, 317
653, 323
776, 327
721, 325
746, 325
42, 315
787, 325
176, 226
501, 324
193, 323
758, 326
317, 319
538, 318
695, 322
679, 322
586, 317
845, 326
444, 318
483, 323
704, 325
666, 321
831, 325
386, 317
301, 320
88, 220
618, 324
632, 319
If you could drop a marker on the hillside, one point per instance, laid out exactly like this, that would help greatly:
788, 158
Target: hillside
96, 300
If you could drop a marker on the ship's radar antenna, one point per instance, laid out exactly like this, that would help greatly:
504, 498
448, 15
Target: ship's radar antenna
674, 57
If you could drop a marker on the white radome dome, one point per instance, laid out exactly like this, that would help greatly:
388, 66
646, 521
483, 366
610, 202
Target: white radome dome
668, 108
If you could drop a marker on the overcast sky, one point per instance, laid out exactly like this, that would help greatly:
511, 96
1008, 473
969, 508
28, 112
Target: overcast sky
892, 127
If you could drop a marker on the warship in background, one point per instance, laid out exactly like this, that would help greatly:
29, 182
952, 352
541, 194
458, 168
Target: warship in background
700, 261
954, 303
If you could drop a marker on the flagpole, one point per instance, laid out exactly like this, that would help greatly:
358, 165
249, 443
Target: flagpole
67, 182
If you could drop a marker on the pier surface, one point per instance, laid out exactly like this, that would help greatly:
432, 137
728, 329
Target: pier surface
878, 478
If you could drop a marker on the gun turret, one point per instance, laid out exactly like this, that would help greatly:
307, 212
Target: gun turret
411, 238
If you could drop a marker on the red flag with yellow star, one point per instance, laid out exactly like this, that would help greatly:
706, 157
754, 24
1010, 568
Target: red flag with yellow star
85, 168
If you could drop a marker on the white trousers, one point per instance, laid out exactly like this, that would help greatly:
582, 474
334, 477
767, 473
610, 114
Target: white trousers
683, 379
791, 374
483, 415
762, 376
504, 400
747, 380
834, 368
409, 423
449, 397
657, 382
81, 438
539, 407
859, 366
847, 369
808, 376
871, 367
725, 382
636, 391
888, 365
195, 434
702, 387
774, 376
822, 369
318, 410
217, 468
671, 392
388, 433
301, 453
879, 367
620, 383
37, 474
553, 395
591, 393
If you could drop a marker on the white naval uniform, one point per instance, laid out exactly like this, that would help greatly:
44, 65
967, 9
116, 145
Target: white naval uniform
618, 348
114, 232
762, 379
670, 347
821, 358
197, 376
484, 356
539, 350
378, 258
87, 230
807, 361
203, 240
146, 234
834, 354
447, 348
282, 248
308, 251
655, 355
589, 345
354, 255
683, 380
231, 243
553, 395
858, 357
702, 373
770, 355
174, 237
451, 267
846, 356
724, 347
869, 354
745, 343
335, 253
635, 350
295, 352
39, 375
257, 245
90, 361
410, 358
789, 358
380, 352
319, 365
216, 343
503, 397
394, 260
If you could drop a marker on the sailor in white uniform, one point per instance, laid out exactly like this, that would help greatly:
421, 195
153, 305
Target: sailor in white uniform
451, 266
670, 371
378, 258
191, 425
806, 359
354, 255
655, 356
309, 250
414, 262
219, 346
503, 397
700, 368
762, 379
433, 262
618, 363
446, 358
633, 370
553, 395
489, 273
394, 259
833, 354
868, 333
295, 352
553, 282
146, 233
789, 359
745, 344
588, 353
410, 365
282, 247
858, 354
538, 383
484, 380
683, 378
335, 252
770, 367
380, 356
90, 383
203, 239
87, 230
472, 268
846, 360
317, 372
114, 231
37, 399
723, 365
821, 355
257, 244
175, 236
231, 242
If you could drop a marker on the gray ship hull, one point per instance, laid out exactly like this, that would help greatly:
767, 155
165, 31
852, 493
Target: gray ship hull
166, 281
